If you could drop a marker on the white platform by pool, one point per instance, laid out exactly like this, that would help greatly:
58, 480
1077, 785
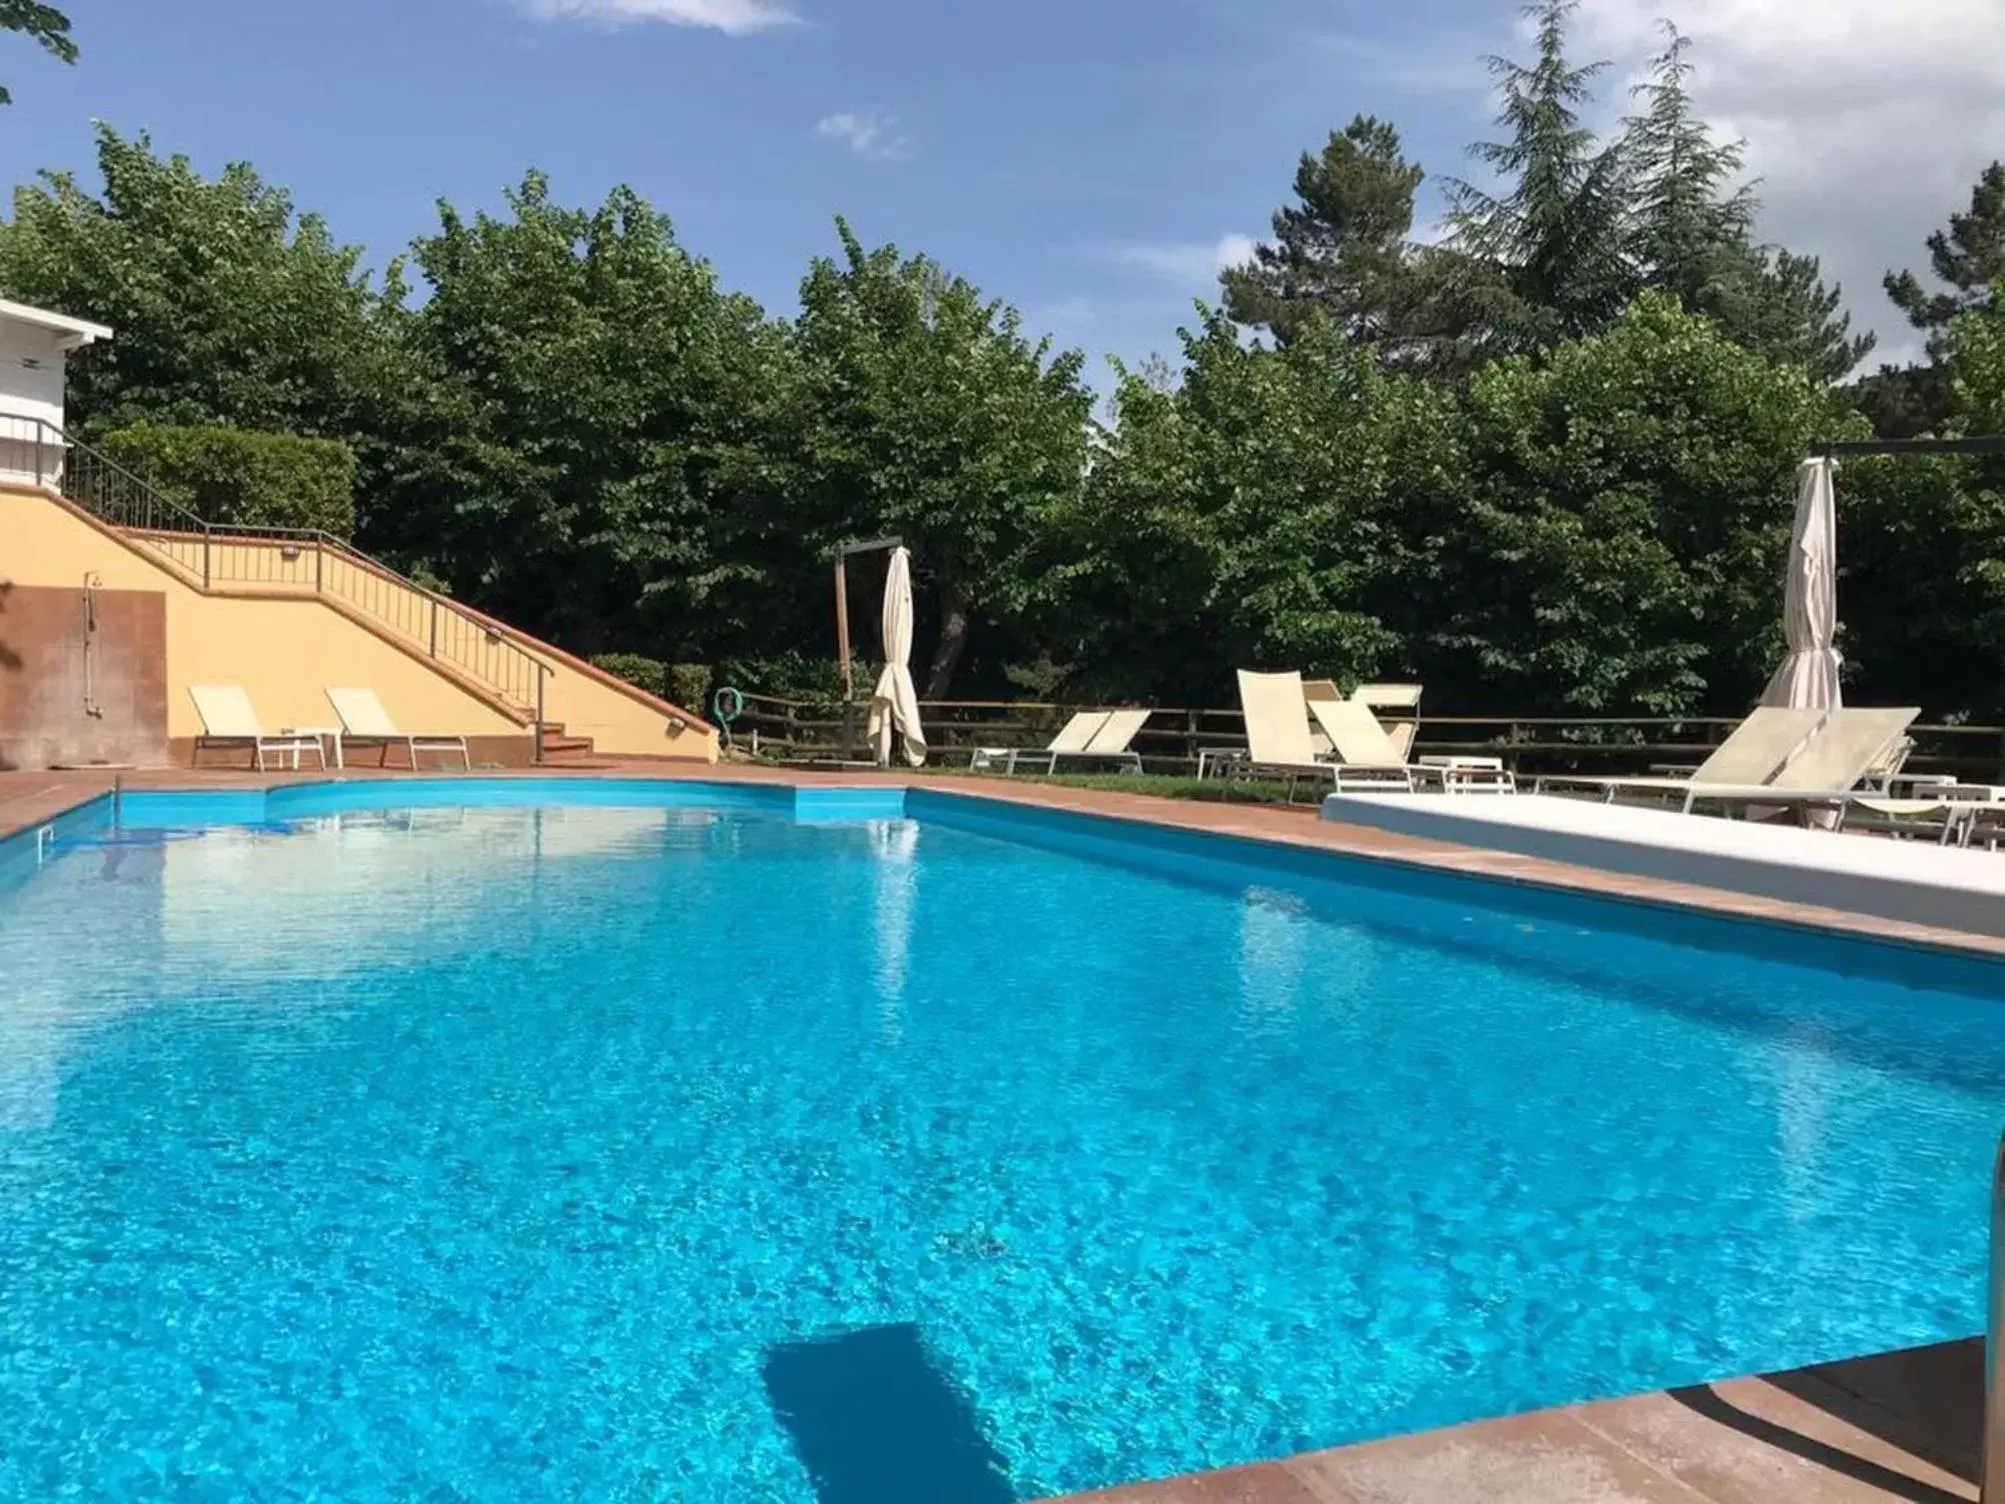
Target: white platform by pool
1913, 881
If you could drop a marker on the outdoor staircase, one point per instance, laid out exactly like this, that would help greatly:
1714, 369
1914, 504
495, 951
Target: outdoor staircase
565, 751
484, 656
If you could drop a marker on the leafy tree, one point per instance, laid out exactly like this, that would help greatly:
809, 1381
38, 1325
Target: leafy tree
1922, 546
921, 409
1341, 249
1633, 497
1274, 509
1547, 253
586, 387
1902, 402
229, 308
39, 23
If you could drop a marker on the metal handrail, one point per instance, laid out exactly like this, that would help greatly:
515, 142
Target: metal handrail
471, 642
1991, 1470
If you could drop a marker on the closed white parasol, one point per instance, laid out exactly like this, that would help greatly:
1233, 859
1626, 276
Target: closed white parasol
1808, 678
894, 704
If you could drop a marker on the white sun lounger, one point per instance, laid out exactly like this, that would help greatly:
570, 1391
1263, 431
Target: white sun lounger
1278, 743
229, 721
1828, 770
1111, 732
1753, 754
1369, 756
364, 720
1406, 697
1366, 757
1073, 736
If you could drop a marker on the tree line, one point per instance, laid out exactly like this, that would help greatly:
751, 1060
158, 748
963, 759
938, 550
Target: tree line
1541, 455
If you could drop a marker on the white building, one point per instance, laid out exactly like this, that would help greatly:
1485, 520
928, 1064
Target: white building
34, 348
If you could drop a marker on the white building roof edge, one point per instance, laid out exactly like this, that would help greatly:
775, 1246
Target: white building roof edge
75, 332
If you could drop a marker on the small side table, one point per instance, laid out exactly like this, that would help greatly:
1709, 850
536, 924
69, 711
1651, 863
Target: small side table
1210, 758
1461, 771
325, 734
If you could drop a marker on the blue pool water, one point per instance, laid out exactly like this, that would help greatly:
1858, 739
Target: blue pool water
682, 1153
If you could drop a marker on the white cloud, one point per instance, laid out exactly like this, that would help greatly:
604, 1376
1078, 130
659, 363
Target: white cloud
732, 17
868, 133
1187, 262
1867, 121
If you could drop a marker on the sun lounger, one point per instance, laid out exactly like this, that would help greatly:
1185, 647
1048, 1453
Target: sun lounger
1279, 744
365, 721
1366, 757
1072, 737
1753, 754
1406, 697
1946, 819
1112, 731
1826, 772
229, 721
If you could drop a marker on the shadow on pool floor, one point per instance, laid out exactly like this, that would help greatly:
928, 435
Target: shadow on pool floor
875, 1422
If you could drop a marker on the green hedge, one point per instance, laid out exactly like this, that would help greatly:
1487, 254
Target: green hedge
684, 684
232, 475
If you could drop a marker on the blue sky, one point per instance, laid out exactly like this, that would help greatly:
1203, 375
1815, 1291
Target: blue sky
1084, 160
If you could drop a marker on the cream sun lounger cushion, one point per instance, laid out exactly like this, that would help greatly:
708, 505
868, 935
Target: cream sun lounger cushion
1108, 743
229, 721
1278, 740
1753, 754
1364, 755
1377, 697
363, 719
1073, 736
1828, 769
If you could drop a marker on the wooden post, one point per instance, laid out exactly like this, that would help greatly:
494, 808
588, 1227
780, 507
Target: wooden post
842, 653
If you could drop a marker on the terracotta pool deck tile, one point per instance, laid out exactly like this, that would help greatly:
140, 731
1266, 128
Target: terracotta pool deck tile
1748, 1441
37, 797
1875, 1430
1928, 1401
1545, 1458
1264, 1483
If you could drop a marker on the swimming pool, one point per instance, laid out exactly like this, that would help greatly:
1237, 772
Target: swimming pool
716, 1144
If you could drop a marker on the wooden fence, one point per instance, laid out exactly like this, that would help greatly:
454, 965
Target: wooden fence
801, 730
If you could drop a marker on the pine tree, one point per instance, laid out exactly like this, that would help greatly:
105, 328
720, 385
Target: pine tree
1776, 302
1341, 249
1969, 256
1547, 255
1687, 219
1692, 233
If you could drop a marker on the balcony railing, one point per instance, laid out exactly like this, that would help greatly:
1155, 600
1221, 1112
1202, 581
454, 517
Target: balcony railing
228, 558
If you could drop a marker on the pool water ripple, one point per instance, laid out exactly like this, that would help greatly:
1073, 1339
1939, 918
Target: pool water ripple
595, 1154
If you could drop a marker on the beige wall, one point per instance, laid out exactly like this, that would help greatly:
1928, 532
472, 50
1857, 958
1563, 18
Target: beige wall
618, 725
284, 652
584, 704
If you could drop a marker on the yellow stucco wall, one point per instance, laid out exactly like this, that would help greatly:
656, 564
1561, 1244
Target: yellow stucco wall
284, 652
618, 725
